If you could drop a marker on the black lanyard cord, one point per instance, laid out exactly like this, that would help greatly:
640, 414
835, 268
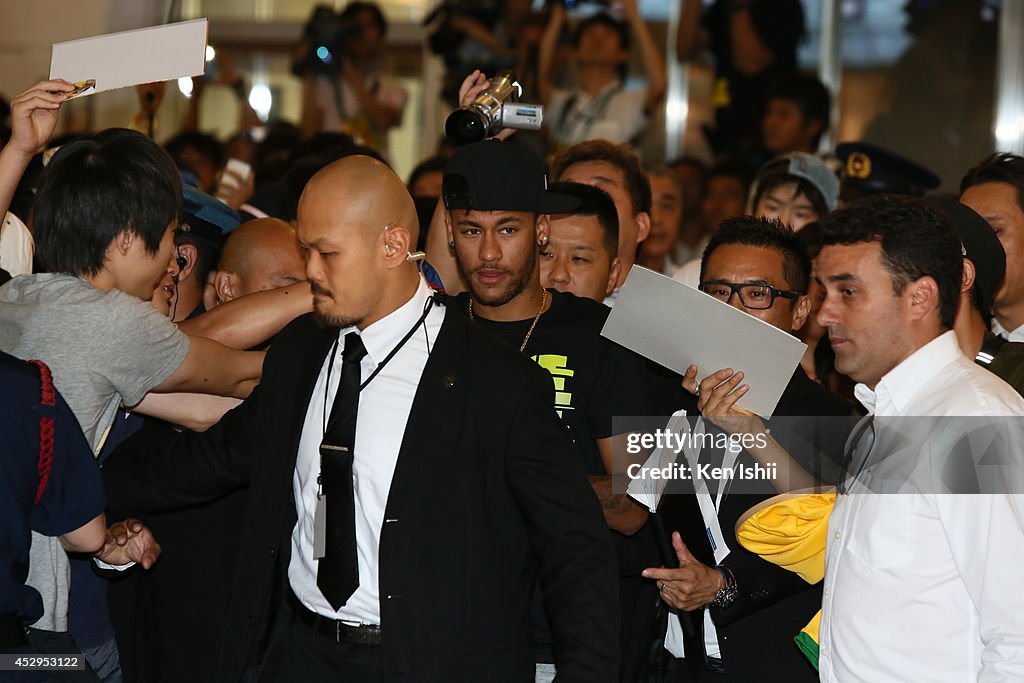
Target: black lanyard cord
436, 298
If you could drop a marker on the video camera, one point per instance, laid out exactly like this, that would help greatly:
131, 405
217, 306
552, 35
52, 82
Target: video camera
495, 108
323, 42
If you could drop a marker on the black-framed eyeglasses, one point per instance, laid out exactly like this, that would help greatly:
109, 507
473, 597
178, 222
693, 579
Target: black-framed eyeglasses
752, 295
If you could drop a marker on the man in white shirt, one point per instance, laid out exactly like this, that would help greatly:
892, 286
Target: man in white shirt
995, 189
919, 586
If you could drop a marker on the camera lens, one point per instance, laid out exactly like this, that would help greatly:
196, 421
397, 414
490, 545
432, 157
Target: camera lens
464, 126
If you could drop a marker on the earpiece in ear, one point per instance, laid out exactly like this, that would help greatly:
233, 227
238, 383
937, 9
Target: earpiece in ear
182, 262
389, 250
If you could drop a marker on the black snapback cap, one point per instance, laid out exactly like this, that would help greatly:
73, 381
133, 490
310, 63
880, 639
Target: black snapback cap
497, 175
979, 243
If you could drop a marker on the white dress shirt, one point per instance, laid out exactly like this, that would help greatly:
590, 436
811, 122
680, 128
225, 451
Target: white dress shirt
925, 587
384, 406
1016, 336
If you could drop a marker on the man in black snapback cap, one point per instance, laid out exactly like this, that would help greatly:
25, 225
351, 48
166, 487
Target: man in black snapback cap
984, 269
497, 209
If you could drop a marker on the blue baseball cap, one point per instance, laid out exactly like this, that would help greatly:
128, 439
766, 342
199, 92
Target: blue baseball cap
206, 218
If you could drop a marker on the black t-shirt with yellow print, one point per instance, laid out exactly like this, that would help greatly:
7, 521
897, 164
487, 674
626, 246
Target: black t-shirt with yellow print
595, 379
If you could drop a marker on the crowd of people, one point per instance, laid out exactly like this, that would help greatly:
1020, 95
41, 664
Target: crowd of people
317, 423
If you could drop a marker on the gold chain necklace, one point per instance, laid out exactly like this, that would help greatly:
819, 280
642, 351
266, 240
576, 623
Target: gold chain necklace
543, 303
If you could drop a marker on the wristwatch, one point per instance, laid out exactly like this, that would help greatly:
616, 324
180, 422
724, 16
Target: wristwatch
726, 595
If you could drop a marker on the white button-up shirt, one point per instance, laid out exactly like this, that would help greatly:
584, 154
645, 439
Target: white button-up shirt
1016, 336
926, 587
384, 407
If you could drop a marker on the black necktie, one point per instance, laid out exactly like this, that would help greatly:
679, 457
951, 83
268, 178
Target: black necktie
337, 575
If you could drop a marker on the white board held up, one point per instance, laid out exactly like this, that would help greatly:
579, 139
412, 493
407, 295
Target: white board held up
127, 58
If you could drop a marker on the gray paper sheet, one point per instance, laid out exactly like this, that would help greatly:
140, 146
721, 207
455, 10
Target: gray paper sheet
145, 55
676, 325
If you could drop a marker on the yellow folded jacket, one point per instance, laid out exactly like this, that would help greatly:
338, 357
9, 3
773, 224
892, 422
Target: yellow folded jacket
791, 530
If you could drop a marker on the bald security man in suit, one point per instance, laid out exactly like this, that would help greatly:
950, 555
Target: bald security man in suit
408, 479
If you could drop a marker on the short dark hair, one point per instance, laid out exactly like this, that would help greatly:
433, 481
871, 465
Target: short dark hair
1002, 167
766, 234
94, 189
207, 146
620, 156
602, 19
809, 95
810, 237
352, 9
776, 174
916, 240
431, 165
597, 203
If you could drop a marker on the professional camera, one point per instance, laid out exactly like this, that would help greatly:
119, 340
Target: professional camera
323, 42
495, 108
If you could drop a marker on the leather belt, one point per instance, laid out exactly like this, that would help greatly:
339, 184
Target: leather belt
12, 632
364, 634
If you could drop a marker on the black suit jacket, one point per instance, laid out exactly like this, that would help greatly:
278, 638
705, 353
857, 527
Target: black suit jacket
486, 494
756, 631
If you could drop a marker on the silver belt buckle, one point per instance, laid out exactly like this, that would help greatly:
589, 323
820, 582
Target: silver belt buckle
337, 631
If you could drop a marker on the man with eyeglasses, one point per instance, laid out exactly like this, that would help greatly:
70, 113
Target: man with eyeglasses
750, 610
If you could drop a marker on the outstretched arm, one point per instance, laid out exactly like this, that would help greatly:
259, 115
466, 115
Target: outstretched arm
690, 36
750, 54
252, 319
548, 47
311, 117
653, 59
34, 116
212, 368
197, 412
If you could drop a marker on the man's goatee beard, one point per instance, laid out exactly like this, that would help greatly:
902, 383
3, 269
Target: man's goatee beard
328, 321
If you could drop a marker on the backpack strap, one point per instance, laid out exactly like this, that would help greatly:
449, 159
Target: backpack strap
48, 398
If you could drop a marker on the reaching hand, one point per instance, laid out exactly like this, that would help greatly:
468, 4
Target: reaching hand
237, 190
474, 84
34, 115
129, 541
151, 96
717, 395
692, 585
